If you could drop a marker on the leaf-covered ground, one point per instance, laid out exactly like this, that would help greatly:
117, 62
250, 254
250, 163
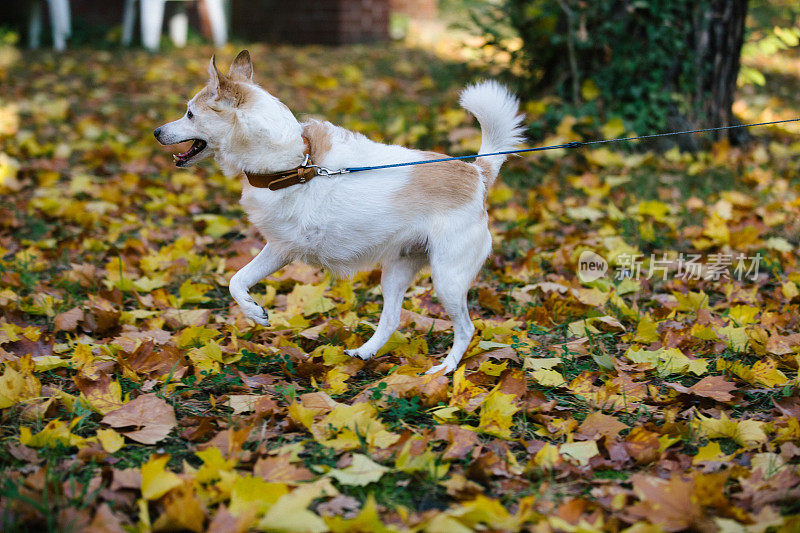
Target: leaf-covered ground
136, 397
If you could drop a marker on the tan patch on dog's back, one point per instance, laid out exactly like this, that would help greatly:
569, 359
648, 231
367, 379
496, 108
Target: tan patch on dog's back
486, 169
441, 186
319, 138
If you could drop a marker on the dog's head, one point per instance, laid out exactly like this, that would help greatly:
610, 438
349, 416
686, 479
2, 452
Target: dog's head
238, 122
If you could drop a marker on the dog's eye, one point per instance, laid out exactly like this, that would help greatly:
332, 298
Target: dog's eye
189, 115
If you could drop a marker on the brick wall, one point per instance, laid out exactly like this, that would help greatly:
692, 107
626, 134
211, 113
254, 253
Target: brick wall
311, 21
416, 9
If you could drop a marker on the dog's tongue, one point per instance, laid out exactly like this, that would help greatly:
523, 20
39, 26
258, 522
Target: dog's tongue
194, 149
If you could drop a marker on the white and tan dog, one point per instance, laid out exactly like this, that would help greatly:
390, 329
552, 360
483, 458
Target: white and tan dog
403, 218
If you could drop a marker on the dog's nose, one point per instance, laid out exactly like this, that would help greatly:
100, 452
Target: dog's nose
157, 132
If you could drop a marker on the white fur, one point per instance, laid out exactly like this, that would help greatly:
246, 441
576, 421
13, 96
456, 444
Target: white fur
351, 222
497, 112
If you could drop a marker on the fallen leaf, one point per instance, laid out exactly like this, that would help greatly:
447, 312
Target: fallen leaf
151, 417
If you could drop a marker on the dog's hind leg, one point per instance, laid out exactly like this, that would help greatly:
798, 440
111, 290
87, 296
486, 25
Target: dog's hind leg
453, 268
396, 277
265, 263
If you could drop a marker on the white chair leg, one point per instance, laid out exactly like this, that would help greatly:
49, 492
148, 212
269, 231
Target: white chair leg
66, 18
59, 11
35, 24
216, 18
152, 17
59, 23
128, 20
179, 28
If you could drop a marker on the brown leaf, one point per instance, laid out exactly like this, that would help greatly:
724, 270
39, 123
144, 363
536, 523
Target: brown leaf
423, 323
152, 417
598, 423
462, 488
101, 315
181, 318
461, 441
129, 478
148, 360
105, 521
68, 320
341, 505
642, 445
668, 503
225, 522
129, 341
319, 401
488, 299
714, 387
280, 469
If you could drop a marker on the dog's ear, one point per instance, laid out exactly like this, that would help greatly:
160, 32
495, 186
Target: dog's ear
222, 88
215, 77
242, 67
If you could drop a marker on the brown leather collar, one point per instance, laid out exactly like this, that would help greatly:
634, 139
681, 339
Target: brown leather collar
286, 178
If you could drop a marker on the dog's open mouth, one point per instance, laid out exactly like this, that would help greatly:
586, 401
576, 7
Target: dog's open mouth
197, 146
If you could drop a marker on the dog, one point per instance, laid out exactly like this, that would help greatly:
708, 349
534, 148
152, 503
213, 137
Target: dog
403, 218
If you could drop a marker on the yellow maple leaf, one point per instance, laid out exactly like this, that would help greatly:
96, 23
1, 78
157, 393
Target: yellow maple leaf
548, 377
366, 520
710, 452
18, 385
308, 300
345, 426
497, 413
43, 363
214, 464
336, 379
736, 338
427, 461
580, 451
766, 373
156, 480
466, 395
691, 301
484, 510
743, 314
196, 336
301, 414
182, 512
747, 433
110, 440
56, 432
762, 373
668, 360
361, 472
216, 225
445, 415
192, 293
492, 369
547, 457
290, 512
252, 494
647, 330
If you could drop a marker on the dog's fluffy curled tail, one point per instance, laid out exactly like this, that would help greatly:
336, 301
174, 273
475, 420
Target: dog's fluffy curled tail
497, 111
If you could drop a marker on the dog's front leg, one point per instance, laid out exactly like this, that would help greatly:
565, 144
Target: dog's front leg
265, 263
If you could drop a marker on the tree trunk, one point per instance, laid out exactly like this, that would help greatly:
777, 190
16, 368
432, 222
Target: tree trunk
719, 27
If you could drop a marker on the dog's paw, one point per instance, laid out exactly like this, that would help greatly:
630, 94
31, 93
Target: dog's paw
447, 366
256, 313
357, 352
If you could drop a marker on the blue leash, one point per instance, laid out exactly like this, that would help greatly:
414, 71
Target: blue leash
574, 144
